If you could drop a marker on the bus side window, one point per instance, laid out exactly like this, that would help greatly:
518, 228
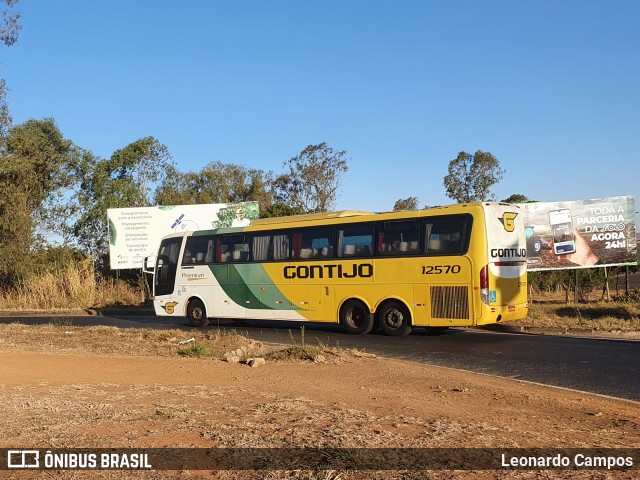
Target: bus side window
196, 250
208, 258
261, 247
280, 247
269, 247
355, 241
313, 243
447, 235
399, 238
233, 248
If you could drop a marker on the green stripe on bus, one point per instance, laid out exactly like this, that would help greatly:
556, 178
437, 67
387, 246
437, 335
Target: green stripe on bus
244, 284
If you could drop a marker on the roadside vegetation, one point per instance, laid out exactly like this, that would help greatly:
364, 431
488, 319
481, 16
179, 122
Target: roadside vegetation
599, 303
77, 285
598, 316
68, 336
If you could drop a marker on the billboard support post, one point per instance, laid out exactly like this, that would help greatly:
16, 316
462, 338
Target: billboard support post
605, 288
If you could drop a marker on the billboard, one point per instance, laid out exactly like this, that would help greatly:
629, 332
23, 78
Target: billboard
135, 233
580, 233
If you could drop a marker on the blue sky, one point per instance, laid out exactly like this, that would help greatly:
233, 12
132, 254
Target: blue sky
551, 88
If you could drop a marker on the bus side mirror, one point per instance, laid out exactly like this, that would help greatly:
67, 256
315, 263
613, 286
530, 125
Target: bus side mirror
149, 264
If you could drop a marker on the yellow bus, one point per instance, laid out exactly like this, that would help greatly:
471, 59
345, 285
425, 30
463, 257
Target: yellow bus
459, 265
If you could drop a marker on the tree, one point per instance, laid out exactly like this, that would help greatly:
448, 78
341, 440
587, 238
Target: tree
313, 178
280, 210
124, 180
9, 27
33, 167
410, 203
517, 198
9, 30
471, 177
5, 117
216, 183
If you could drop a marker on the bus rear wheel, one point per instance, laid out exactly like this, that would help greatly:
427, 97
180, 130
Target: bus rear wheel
395, 319
196, 313
356, 318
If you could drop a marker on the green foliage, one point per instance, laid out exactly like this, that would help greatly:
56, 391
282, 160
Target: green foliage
313, 179
196, 350
5, 117
280, 209
34, 166
216, 183
9, 27
517, 198
54, 258
471, 177
410, 203
633, 297
588, 280
124, 180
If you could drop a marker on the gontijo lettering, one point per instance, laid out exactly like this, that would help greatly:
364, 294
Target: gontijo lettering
509, 252
364, 270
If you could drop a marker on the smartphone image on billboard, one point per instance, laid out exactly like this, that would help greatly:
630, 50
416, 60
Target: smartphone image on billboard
562, 231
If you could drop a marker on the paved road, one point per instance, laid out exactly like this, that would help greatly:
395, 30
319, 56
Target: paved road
609, 367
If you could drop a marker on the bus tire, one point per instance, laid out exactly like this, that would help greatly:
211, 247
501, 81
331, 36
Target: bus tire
395, 319
355, 317
196, 313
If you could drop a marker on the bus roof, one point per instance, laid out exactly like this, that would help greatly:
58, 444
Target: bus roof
344, 216
309, 217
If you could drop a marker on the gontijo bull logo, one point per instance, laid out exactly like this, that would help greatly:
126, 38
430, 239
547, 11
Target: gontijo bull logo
169, 306
508, 221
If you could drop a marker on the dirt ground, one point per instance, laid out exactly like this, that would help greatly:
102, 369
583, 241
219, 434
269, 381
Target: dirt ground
54, 397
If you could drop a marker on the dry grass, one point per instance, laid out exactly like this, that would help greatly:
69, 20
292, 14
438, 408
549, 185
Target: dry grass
552, 311
300, 351
46, 414
63, 337
72, 286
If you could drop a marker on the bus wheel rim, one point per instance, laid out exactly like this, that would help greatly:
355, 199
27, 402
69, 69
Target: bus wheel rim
355, 317
394, 318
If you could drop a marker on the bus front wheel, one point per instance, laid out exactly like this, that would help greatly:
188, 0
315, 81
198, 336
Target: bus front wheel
356, 318
197, 314
395, 319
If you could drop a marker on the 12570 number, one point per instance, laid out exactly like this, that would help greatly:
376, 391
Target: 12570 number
438, 269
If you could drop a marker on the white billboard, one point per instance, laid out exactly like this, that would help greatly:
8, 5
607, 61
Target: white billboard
135, 233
